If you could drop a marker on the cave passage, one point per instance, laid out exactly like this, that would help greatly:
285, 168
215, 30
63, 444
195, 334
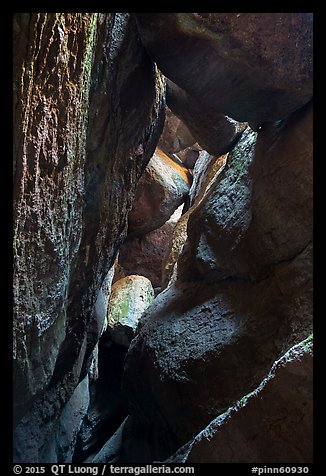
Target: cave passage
163, 238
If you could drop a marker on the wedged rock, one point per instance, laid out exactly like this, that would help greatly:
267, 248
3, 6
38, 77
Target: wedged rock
189, 155
112, 449
106, 408
118, 270
89, 110
61, 446
253, 67
162, 188
173, 249
203, 346
214, 132
223, 217
213, 335
175, 136
144, 255
261, 213
205, 175
130, 297
205, 171
272, 424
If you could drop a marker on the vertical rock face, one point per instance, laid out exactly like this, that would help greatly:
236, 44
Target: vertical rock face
61, 445
106, 408
87, 111
89, 105
212, 336
52, 82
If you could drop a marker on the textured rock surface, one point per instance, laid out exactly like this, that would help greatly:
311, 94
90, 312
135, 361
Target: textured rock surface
130, 297
206, 168
89, 105
213, 131
144, 255
223, 217
189, 155
212, 336
48, 191
175, 136
173, 249
79, 151
205, 174
162, 188
270, 425
106, 408
61, 446
112, 449
235, 63
262, 218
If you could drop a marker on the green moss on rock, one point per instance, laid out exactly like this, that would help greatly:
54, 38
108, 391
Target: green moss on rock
130, 297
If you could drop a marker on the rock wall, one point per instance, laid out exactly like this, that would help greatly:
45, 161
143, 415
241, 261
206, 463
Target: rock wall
88, 115
235, 63
272, 424
243, 295
211, 352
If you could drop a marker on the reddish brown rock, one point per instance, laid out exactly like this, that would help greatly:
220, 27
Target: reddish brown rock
162, 188
253, 67
173, 247
144, 255
212, 336
261, 219
175, 136
206, 174
88, 106
206, 168
189, 155
214, 132
118, 270
273, 424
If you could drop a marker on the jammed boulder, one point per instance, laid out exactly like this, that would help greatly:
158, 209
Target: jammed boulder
89, 106
112, 449
106, 408
173, 249
261, 218
144, 255
88, 113
213, 131
162, 188
235, 63
204, 174
175, 136
130, 297
189, 155
61, 445
212, 336
272, 424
